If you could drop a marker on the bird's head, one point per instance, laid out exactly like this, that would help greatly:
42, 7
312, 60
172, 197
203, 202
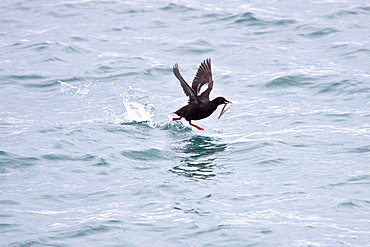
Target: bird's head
220, 101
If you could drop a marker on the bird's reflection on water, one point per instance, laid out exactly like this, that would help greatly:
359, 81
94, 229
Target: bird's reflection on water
197, 157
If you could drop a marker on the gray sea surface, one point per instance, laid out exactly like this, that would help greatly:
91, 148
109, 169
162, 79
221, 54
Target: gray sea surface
89, 155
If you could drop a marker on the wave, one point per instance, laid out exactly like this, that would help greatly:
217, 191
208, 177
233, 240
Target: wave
247, 18
10, 161
341, 87
199, 46
289, 81
145, 155
314, 32
198, 156
353, 12
172, 7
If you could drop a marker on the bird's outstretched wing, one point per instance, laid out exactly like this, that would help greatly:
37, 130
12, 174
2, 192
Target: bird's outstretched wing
203, 83
185, 86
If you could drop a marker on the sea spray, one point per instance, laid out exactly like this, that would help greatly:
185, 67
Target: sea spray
134, 105
137, 106
81, 90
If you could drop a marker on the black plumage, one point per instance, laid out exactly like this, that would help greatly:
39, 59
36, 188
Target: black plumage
199, 105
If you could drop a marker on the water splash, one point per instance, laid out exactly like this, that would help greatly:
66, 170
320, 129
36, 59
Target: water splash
81, 90
137, 106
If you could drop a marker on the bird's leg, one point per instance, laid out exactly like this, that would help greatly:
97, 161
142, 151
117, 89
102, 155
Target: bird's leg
176, 118
199, 128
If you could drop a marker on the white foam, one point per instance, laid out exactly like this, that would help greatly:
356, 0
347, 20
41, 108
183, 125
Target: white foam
137, 106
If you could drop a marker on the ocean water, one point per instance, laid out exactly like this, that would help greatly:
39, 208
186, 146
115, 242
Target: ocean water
89, 155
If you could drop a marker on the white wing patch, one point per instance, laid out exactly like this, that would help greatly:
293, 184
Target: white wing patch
202, 88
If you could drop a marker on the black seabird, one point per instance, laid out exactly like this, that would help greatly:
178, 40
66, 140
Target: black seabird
199, 105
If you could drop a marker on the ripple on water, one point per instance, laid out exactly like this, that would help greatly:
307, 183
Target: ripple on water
198, 157
199, 46
68, 157
10, 161
145, 155
247, 18
341, 87
289, 81
172, 7
315, 33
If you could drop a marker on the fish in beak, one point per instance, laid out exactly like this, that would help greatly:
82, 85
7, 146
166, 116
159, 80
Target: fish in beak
224, 109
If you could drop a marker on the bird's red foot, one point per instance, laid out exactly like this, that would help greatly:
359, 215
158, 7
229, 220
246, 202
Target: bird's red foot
196, 126
176, 118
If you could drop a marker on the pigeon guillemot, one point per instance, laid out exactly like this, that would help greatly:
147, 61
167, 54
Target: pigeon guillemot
199, 105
